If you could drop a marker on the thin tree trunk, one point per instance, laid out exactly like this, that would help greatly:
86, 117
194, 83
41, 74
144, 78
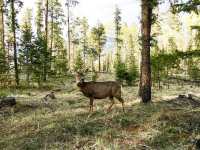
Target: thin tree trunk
84, 49
159, 85
145, 84
2, 26
27, 67
46, 38
92, 62
108, 63
69, 38
52, 27
27, 75
13, 17
99, 54
73, 52
99, 62
46, 21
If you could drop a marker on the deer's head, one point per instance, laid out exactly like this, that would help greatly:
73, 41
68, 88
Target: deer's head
79, 79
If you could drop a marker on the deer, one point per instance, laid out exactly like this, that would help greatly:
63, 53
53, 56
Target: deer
100, 90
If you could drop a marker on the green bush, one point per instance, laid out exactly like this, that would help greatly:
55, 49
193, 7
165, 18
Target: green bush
3, 94
194, 73
120, 71
3, 63
124, 73
79, 64
131, 74
94, 76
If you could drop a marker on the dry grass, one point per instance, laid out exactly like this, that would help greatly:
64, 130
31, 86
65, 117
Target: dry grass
64, 123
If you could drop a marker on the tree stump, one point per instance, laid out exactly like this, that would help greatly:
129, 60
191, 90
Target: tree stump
7, 101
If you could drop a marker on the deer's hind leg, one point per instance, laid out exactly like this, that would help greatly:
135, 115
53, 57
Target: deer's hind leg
112, 103
122, 102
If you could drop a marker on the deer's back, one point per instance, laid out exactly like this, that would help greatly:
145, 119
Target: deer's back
101, 90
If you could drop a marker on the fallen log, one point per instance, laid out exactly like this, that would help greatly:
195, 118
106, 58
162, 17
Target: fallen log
7, 102
49, 96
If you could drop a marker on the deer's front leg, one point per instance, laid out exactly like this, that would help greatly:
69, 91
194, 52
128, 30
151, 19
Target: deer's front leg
91, 104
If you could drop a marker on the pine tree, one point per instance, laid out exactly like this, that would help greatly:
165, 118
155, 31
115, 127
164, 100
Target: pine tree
75, 36
12, 15
84, 37
56, 40
145, 70
2, 30
39, 17
69, 4
26, 49
172, 45
39, 57
3, 63
120, 67
99, 38
118, 27
79, 63
132, 70
46, 39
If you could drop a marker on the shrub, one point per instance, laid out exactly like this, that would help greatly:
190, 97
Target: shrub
132, 74
194, 72
120, 71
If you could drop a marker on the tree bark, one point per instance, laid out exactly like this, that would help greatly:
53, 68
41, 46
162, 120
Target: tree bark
145, 85
46, 38
99, 62
69, 38
140, 84
2, 25
13, 17
52, 30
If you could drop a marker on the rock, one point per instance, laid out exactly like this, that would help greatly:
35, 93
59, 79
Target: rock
7, 101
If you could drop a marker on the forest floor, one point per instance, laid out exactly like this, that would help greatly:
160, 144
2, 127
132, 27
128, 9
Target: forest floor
166, 123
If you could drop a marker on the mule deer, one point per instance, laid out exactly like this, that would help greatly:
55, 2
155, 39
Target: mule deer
100, 90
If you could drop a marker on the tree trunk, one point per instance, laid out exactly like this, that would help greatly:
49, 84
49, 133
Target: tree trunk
145, 85
13, 17
140, 84
84, 49
46, 38
27, 67
69, 38
108, 63
99, 62
52, 30
28, 76
2, 25
92, 62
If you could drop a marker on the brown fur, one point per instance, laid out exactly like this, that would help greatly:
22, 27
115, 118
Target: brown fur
101, 90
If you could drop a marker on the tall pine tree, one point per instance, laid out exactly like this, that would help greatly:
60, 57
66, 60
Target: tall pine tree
13, 25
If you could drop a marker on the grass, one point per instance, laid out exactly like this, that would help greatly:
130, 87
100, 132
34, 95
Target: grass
64, 123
